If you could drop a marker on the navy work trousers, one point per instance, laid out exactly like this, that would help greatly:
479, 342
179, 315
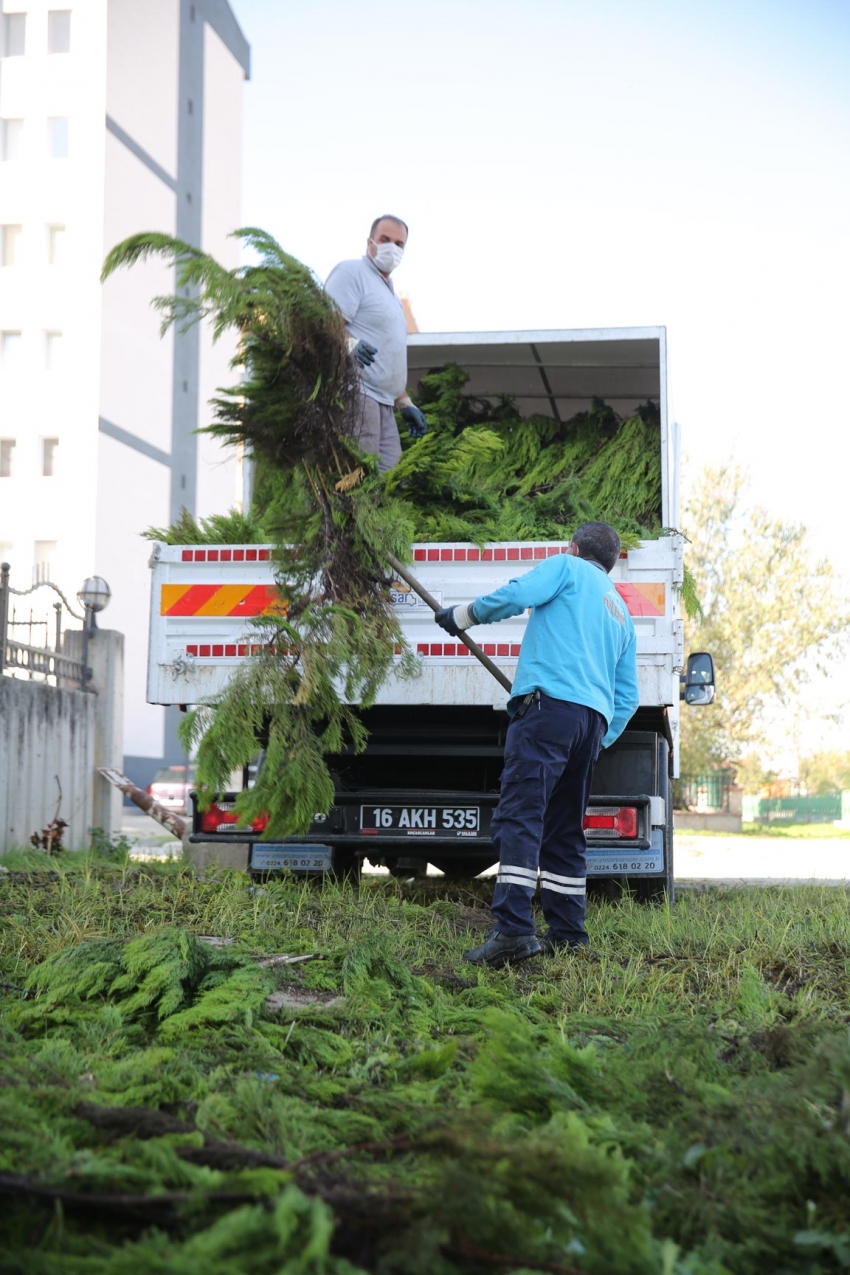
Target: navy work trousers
549, 755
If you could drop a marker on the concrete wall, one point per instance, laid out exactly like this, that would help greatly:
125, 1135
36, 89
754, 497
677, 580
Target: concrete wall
710, 821
729, 820
105, 656
45, 732
218, 476
174, 79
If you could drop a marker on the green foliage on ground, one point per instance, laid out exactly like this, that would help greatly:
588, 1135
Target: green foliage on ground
672, 1100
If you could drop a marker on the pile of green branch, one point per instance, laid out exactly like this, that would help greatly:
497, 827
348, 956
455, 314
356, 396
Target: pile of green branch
483, 472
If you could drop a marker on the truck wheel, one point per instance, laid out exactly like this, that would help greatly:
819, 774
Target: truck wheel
462, 867
404, 869
347, 866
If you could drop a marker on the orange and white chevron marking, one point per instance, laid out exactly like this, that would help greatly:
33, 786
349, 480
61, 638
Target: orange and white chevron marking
643, 599
234, 600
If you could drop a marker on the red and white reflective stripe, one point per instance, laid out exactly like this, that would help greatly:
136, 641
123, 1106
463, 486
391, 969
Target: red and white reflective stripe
509, 650
520, 553
439, 650
226, 555
225, 650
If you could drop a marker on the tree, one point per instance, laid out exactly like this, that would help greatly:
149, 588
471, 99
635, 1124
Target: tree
752, 775
826, 771
772, 616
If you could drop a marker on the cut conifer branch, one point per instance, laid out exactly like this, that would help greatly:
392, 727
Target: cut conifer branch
296, 410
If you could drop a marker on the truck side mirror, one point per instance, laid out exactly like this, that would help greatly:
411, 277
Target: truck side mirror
697, 686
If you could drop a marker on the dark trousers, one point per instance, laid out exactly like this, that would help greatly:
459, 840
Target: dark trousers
549, 756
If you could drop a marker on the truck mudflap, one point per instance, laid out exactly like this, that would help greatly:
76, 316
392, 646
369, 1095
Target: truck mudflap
625, 833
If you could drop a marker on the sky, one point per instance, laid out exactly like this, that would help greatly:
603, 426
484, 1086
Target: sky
583, 163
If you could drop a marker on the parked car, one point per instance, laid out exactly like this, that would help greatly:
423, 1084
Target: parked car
171, 787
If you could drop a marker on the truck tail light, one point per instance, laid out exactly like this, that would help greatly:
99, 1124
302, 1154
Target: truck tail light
222, 816
611, 821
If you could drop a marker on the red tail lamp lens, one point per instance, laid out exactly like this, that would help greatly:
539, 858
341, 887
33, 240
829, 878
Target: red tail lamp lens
612, 821
222, 816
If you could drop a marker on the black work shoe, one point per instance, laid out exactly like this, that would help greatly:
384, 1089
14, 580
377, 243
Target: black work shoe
498, 949
549, 945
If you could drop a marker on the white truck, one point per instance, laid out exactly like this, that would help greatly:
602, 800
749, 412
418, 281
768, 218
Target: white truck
425, 788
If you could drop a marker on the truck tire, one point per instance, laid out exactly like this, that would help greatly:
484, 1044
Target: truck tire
347, 866
463, 866
404, 868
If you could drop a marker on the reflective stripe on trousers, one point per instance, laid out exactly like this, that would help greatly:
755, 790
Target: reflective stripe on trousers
537, 825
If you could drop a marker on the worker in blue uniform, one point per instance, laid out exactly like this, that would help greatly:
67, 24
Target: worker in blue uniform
575, 691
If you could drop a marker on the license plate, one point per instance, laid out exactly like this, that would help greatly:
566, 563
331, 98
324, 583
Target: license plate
272, 858
421, 821
609, 862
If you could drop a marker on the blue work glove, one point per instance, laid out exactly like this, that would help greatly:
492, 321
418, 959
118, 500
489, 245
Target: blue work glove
364, 353
417, 426
455, 619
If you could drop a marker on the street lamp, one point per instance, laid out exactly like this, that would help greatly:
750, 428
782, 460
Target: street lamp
94, 596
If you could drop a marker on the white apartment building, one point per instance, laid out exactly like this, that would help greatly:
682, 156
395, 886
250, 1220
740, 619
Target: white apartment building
116, 116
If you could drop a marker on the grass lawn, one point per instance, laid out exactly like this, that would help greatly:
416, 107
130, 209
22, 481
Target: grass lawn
674, 1099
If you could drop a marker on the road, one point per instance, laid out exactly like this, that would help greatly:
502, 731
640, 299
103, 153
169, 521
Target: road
761, 860
732, 860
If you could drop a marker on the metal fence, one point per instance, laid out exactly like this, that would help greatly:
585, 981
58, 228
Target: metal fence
37, 659
825, 808
704, 792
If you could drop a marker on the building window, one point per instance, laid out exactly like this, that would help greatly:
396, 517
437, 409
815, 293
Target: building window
14, 34
10, 245
57, 137
56, 245
11, 349
44, 563
49, 450
11, 132
59, 31
54, 351
7, 457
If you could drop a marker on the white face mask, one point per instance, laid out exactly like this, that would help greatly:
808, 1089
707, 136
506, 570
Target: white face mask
387, 256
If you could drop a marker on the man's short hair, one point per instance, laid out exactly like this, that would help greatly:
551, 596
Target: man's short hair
388, 217
599, 541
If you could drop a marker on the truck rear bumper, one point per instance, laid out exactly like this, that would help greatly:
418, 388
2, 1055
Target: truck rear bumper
344, 829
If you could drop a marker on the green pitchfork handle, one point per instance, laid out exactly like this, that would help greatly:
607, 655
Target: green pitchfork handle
491, 668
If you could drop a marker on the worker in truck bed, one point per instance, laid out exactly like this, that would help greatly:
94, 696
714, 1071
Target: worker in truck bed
377, 330
575, 690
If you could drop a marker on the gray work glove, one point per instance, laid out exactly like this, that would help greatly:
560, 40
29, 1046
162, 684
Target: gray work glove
417, 426
455, 619
364, 353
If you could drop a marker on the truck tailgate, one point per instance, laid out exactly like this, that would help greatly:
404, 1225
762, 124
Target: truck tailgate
204, 599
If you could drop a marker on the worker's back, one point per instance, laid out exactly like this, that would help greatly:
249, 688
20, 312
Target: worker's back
579, 641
